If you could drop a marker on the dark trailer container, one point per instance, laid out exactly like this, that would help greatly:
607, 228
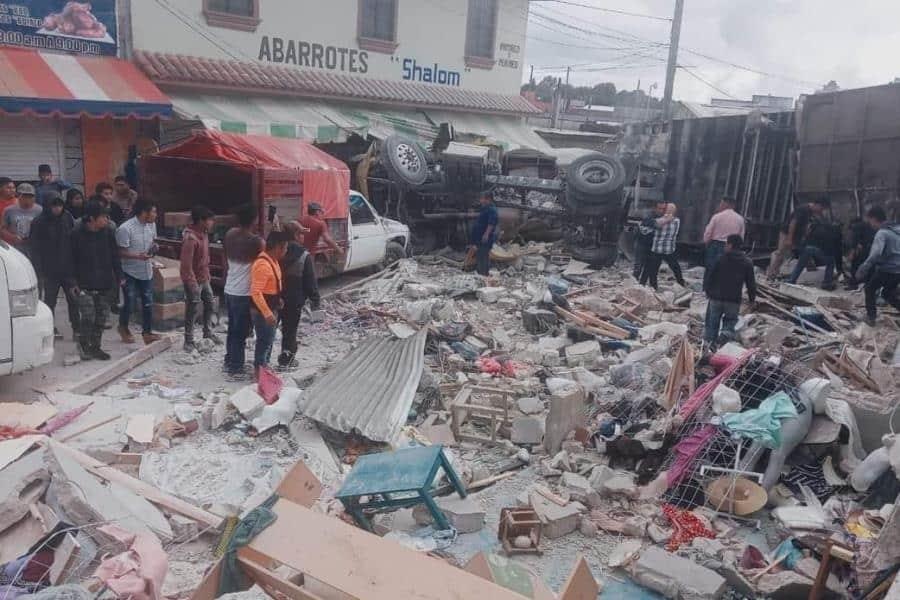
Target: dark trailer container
748, 157
850, 150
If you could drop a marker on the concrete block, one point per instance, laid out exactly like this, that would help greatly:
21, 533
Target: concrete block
530, 406
577, 486
247, 401
785, 585
490, 295
566, 413
557, 520
550, 358
527, 430
676, 577
553, 343
582, 353
21, 483
501, 339
538, 321
465, 514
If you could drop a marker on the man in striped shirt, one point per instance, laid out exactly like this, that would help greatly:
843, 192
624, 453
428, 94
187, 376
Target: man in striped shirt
665, 239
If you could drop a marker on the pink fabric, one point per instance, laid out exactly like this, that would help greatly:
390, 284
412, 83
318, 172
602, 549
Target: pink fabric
722, 225
139, 572
687, 451
63, 419
703, 392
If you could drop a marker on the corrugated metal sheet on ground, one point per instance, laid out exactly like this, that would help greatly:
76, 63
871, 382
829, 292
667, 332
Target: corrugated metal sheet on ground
371, 391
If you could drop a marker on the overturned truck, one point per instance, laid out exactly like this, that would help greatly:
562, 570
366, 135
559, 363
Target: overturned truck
436, 191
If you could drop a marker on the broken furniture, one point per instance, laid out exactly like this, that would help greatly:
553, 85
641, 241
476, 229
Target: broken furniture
516, 524
462, 410
400, 479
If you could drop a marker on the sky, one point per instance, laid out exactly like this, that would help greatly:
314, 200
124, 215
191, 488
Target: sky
778, 47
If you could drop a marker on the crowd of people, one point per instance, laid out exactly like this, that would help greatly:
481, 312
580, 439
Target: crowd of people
811, 236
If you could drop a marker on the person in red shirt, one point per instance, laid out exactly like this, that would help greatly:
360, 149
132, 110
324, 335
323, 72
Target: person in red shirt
195, 275
7, 197
318, 230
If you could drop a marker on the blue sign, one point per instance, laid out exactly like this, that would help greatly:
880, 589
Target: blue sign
74, 27
429, 73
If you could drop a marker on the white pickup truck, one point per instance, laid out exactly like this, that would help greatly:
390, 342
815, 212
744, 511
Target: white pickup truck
26, 324
373, 240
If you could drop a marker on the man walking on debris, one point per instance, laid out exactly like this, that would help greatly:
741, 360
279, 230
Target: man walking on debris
242, 246
725, 223
51, 244
266, 287
860, 244
95, 270
881, 270
665, 238
299, 272
642, 244
724, 289
195, 275
137, 244
790, 237
484, 233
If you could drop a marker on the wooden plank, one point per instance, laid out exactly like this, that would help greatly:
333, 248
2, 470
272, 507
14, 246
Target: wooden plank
145, 490
209, 586
63, 559
362, 564
270, 581
72, 436
300, 486
25, 416
581, 584
114, 370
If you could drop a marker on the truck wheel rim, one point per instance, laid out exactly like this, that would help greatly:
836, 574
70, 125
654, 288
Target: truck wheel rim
596, 172
408, 158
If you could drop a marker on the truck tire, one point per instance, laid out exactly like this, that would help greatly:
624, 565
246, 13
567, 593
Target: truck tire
600, 256
596, 175
392, 254
404, 161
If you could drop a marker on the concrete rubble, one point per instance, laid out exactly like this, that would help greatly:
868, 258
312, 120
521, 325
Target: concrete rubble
589, 419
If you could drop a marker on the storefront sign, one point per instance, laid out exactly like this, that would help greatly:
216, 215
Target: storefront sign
79, 27
511, 54
413, 71
316, 56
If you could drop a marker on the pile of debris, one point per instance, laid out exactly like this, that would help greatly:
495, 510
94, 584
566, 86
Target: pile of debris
570, 415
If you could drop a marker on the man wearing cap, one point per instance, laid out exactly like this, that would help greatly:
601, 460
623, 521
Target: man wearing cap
317, 230
96, 270
51, 248
17, 218
300, 284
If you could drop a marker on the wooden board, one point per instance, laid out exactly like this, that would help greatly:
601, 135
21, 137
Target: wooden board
25, 416
116, 369
581, 584
361, 564
300, 486
64, 559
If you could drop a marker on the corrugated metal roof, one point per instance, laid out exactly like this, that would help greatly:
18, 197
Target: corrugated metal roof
223, 74
371, 391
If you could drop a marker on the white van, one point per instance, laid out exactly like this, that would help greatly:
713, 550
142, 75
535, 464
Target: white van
26, 324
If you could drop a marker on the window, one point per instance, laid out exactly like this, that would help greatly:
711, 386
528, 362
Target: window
360, 213
377, 25
242, 15
481, 33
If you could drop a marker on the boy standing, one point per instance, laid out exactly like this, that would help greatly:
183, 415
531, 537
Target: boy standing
195, 275
724, 289
266, 286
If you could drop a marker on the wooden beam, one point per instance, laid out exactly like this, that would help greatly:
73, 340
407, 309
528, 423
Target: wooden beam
270, 581
97, 380
141, 488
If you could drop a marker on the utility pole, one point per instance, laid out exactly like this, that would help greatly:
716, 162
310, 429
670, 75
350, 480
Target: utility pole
673, 59
531, 77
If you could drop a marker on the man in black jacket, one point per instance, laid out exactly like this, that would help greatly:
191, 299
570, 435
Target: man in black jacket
724, 290
96, 270
298, 271
51, 248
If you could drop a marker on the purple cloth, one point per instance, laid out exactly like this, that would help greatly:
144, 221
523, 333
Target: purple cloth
687, 451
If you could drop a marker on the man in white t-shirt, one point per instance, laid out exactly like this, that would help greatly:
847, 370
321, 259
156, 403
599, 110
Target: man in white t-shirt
242, 246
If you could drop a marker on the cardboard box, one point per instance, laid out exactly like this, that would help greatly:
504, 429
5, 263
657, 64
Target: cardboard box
167, 317
167, 284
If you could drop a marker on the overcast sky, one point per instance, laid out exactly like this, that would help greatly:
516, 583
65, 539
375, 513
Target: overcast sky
802, 43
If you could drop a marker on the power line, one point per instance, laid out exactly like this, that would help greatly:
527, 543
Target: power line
198, 29
709, 84
611, 10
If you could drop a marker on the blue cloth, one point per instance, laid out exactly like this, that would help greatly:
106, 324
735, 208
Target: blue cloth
265, 339
134, 289
763, 424
486, 218
238, 330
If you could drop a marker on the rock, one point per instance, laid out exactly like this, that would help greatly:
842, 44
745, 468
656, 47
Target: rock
401, 330
582, 353
577, 486
304, 376
550, 358
566, 413
247, 401
785, 585
601, 307
523, 455
22, 482
809, 567
609, 482
538, 321
677, 577
557, 520
523, 542
587, 528
623, 553
530, 406
316, 316
658, 534
219, 413
527, 430
205, 346
417, 291
490, 295
650, 332
501, 339
709, 547
628, 375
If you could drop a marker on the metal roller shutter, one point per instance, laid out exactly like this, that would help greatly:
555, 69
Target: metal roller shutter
26, 143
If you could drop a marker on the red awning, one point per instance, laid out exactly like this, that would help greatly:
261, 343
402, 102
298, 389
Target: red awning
326, 179
47, 84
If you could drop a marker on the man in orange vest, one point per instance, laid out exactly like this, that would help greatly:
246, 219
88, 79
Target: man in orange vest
265, 294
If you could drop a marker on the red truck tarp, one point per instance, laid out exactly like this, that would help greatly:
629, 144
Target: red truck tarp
326, 179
